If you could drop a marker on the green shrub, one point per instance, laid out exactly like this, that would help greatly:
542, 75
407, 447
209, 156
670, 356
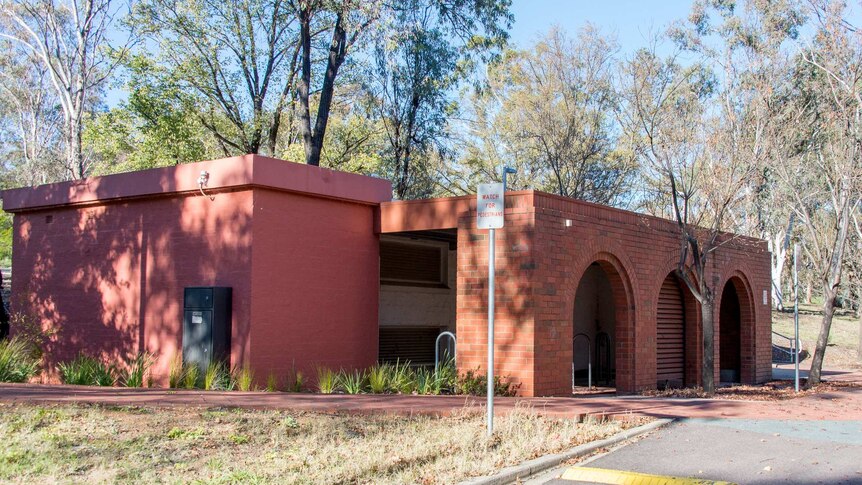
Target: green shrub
87, 371
327, 381
474, 383
17, 361
136, 370
217, 377
244, 378
191, 375
352, 382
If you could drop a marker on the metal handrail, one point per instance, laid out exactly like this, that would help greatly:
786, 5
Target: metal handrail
589, 360
437, 346
791, 345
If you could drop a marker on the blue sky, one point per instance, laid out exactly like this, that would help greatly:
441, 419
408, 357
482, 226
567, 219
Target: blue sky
631, 21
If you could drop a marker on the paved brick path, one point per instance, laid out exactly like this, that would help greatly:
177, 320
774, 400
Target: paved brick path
845, 404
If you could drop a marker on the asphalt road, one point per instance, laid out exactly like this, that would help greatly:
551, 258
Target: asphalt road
744, 451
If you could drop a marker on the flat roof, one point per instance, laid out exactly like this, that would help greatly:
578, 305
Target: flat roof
224, 174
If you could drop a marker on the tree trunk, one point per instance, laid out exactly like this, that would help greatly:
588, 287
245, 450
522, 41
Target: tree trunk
303, 87
859, 348
707, 315
808, 286
779, 256
829, 295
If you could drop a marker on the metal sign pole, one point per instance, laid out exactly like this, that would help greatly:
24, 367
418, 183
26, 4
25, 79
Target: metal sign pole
796, 315
491, 271
490, 212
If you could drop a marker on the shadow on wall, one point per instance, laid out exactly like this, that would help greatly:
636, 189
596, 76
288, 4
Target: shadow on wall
515, 265
107, 278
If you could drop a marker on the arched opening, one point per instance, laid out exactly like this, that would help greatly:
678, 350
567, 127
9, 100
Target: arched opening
594, 328
670, 334
730, 335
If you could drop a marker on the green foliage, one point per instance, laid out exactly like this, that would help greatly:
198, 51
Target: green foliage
403, 378
85, 370
474, 383
271, 383
378, 378
136, 370
244, 378
17, 362
238, 439
296, 381
428, 381
5, 240
175, 374
183, 434
191, 375
29, 329
155, 127
327, 380
352, 382
217, 377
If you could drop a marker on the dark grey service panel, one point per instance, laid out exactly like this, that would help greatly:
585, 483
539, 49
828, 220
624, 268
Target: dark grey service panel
206, 325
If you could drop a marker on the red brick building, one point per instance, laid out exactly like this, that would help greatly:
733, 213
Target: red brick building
327, 271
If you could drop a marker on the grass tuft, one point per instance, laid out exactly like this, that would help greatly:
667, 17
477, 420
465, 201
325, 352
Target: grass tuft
327, 381
175, 374
244, 378
17, 361
352, 382
85, 370
271, 382
191, 375
217, 377
136, 370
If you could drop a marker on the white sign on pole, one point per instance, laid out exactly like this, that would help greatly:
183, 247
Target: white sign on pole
489, 206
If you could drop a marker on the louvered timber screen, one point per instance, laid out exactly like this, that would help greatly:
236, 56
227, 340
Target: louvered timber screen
670, 349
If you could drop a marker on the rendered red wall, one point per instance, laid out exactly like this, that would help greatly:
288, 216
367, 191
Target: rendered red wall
315, 273
109, 278
102, 262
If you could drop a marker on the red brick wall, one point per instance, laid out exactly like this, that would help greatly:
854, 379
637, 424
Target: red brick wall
316, 283
537, 285
516, 309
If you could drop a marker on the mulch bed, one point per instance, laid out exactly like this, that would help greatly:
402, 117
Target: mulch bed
770, 391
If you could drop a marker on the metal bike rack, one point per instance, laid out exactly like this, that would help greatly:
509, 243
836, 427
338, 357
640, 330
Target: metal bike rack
437, 346
589, 360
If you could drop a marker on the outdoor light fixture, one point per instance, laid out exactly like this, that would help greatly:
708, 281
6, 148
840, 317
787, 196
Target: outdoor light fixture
507, 171
203, 179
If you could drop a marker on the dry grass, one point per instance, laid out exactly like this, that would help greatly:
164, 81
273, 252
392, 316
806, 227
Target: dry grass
99, 444
843, 340
770, 391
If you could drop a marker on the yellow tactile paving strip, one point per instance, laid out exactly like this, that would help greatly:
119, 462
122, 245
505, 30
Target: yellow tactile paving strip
616, 477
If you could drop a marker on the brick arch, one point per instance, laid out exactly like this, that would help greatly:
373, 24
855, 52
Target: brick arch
741, 283
618, 271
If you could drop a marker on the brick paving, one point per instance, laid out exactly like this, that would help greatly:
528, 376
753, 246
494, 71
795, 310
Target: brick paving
842, 404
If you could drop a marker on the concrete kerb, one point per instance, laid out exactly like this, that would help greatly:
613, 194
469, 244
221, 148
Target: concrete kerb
534, 466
